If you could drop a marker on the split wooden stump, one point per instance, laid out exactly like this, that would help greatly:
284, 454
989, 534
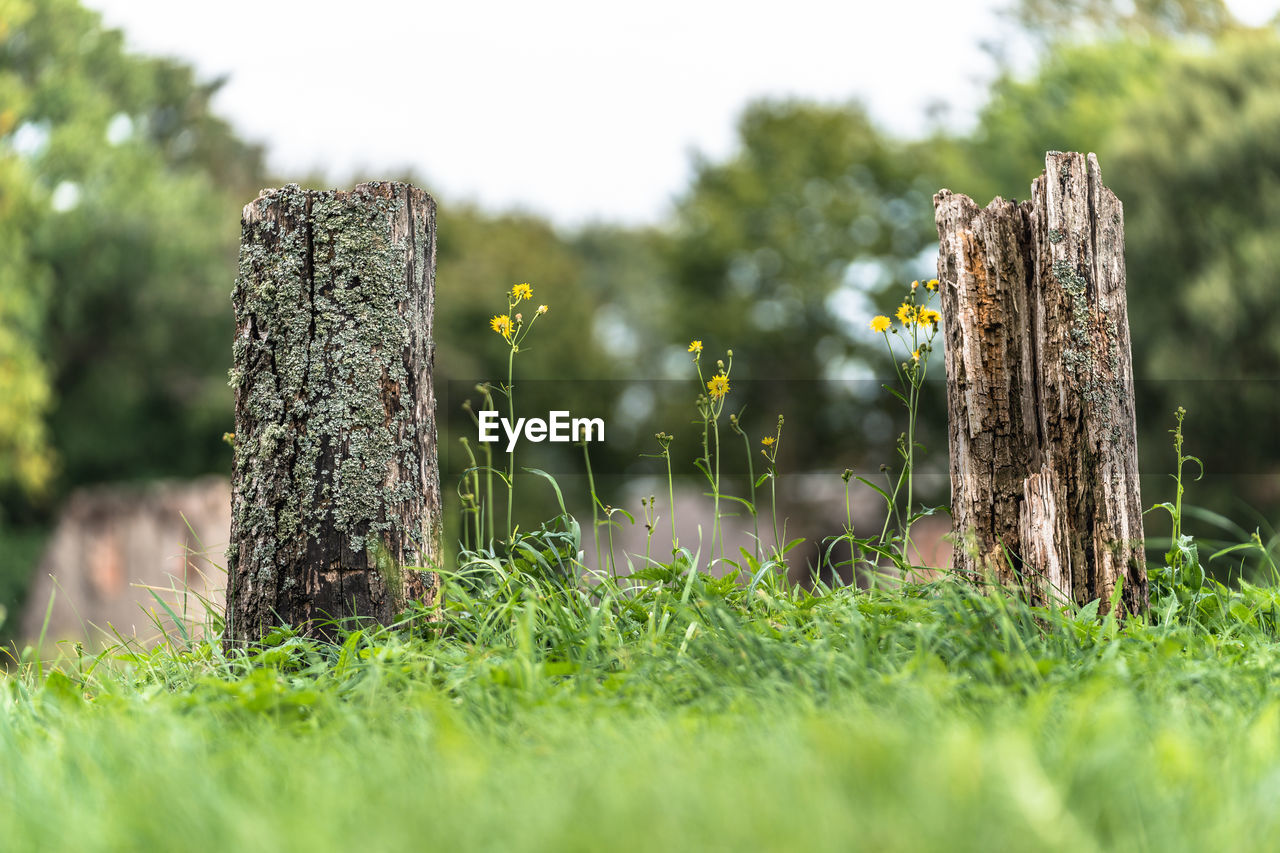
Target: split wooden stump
1043, 436
336, 487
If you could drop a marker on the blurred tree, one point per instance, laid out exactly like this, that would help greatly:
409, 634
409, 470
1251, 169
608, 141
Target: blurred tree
1055, 20
26, 456
1189, 139
25, 453
1075, 101
134, 189
785, 251
1199, 166
480, 257
120, 193
572, 360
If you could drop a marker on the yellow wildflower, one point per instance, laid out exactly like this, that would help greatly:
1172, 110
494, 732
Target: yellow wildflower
718, 386
542, 309
915, 284
768, 441
906, 314
880, 323
695, 346
501, 324
522, 291
915, 355
928, 317
932, 284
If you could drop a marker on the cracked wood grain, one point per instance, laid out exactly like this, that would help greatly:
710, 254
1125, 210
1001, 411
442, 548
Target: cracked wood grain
1042, 428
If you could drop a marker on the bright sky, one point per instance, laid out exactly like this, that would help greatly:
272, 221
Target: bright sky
576, 109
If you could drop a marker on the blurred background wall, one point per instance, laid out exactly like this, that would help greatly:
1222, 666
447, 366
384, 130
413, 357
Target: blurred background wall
120, 191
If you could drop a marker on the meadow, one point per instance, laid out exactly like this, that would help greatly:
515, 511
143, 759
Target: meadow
699, 702
674, 715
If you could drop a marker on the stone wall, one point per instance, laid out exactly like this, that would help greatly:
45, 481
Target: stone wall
112, 545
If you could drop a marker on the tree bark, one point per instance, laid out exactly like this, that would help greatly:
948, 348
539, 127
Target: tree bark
336, 487
1043, 435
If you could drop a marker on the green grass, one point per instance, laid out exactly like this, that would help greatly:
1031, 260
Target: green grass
545, 718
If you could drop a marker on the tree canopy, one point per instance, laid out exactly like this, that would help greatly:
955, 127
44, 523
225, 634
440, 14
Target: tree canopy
1189, 139
120, 191
785, 251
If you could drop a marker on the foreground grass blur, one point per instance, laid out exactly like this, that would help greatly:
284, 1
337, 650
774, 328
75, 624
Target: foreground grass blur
539, 715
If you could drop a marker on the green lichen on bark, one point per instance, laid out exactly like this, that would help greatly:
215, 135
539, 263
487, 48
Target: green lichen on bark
359, 271
389, 570
272, 300
1081, 353
1077, 353
332, 302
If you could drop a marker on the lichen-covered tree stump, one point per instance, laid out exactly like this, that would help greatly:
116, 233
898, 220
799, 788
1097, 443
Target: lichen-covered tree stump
1043, 437
336, 487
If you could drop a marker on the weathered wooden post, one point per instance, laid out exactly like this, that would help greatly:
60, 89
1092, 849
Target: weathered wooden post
336, 487
1044, 464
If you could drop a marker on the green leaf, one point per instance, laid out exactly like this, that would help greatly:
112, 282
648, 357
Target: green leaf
554, 485
864, 481
628, 516
1089, 612
61, 689
750, 506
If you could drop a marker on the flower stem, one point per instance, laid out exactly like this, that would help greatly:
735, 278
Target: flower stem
671, 500
511, 454
717, 534
751, 485
488, 471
